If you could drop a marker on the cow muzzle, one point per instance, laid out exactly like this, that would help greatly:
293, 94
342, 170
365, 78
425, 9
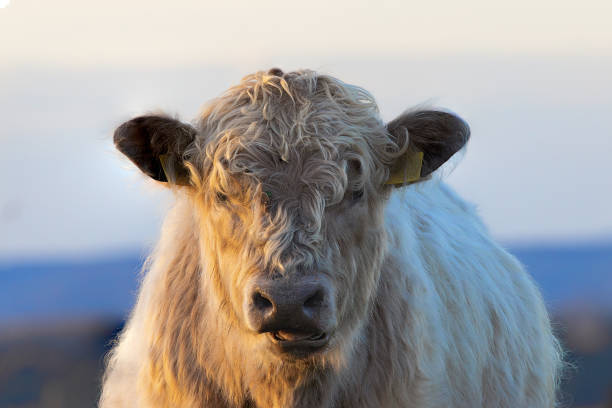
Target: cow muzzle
297, 315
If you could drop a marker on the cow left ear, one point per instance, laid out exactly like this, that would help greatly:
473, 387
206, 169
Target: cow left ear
433, 138
156, 144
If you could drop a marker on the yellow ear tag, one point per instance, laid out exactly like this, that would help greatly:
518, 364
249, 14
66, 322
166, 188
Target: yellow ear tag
181, 175
407, 169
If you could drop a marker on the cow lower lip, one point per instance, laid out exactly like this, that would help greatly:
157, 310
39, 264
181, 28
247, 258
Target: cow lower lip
292, 337
298, 344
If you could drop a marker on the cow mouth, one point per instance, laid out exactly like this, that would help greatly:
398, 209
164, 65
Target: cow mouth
293, 336
298, 343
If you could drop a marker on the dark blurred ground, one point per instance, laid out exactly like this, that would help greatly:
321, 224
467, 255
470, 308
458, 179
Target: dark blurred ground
56, 366
58, 319
61, 367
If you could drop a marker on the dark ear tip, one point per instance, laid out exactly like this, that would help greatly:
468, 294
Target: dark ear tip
130, 128
132, 140
453, 120
461, 124
122, 133
454, 125
463, 128
128, 138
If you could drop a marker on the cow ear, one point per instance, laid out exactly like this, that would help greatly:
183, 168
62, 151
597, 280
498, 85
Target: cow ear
156, 144
432, 138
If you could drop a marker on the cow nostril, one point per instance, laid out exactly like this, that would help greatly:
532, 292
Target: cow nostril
315, 301
261, 302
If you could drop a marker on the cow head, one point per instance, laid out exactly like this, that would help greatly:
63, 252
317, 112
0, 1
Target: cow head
289, 175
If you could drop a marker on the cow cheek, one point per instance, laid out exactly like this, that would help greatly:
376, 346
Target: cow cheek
362, 251
223, 248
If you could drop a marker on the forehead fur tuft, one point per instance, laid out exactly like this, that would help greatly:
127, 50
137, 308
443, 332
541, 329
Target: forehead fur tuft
291, 116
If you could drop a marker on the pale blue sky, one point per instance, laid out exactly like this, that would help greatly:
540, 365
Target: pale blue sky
532, 78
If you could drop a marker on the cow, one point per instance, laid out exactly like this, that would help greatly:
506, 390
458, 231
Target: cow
314, 258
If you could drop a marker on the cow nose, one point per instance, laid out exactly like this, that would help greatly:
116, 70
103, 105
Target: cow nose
304, 301
276, 307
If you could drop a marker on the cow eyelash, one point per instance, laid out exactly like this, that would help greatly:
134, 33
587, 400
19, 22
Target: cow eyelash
220, 197
266, 200
354, 170
357, 195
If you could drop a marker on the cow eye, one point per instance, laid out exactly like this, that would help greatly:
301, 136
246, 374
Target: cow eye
267, 200
353, 172
356, 195
267, 197
221, 197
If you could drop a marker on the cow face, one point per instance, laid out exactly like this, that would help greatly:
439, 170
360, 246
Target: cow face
289, 174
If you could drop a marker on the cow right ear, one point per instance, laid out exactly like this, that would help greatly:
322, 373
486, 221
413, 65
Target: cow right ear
156, 144
432, 136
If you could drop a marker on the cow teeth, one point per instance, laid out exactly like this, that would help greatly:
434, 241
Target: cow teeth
282, 335
289, 336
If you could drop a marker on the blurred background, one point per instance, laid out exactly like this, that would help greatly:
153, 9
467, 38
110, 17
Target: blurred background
533, 79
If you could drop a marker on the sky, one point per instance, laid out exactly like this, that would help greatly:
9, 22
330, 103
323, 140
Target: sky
532, 78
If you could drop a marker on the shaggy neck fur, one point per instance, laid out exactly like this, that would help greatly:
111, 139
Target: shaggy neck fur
416, 348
